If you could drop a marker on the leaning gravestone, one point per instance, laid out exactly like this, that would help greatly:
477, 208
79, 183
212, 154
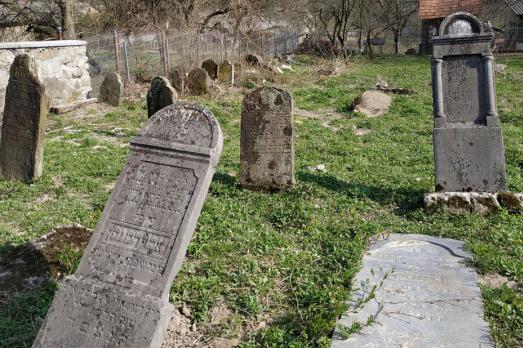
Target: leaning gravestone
226, 72
177, 80
111, 90
211, 67
199, 81
23, 129
468, 142
160, 95
119, 295
419, 293
267, 140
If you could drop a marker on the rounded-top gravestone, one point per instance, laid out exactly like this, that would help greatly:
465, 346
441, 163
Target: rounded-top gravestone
226, 72
111, 90
211, 67
199, 81
177, 79
160, 95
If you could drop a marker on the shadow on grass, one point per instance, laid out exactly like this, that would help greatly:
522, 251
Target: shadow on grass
406, 199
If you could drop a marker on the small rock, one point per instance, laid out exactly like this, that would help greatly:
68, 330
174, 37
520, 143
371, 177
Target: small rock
186, 311
318, 168
360, 131
373, 104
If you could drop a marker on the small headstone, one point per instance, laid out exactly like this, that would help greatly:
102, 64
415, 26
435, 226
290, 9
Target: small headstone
373, 104
237, 70
119, 295
111, 90
161, 95
254, 59
267, 140
23, 128
226, 72
419, 293
177, 80
211, 67
468, 142
199, 81
411, 52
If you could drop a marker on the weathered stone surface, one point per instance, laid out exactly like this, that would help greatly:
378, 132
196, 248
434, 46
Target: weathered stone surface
267, 140
160, 95
177, 80
23, 128
424, 296
119, 295
373, 103
226, 72
254, 59
211, 67
199, 81
468, 142
111, 90
481, 203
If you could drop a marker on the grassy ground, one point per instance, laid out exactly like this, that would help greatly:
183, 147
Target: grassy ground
278, 267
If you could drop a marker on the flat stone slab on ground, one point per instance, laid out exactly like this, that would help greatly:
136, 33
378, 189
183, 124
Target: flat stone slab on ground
424, 297
373, 104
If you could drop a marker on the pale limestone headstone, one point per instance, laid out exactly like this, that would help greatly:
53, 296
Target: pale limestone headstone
468, 141
23, 128
267, 140
226, 72
177, 80
160, 95
119, 296
199, 82
373, 104
211, 67
111, 90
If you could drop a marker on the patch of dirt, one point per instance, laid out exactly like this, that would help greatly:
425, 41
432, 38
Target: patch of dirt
27, 267
495, 280
323, 115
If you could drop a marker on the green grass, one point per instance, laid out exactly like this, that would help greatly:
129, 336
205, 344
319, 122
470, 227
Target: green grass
282, 264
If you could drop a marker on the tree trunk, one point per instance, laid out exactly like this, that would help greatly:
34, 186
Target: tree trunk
370, 51
66, 9
396, 41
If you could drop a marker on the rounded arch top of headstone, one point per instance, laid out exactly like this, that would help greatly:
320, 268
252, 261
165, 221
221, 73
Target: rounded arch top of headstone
186, 124
274, 99
461, 24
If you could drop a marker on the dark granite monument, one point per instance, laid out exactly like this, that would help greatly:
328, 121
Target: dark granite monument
160, 95
111, 90
211, 67
119, 296
23, 129
267, 140
468, 142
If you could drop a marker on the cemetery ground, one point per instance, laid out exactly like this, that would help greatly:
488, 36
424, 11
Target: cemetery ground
275, 269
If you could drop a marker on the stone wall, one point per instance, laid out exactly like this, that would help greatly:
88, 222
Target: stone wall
62, 67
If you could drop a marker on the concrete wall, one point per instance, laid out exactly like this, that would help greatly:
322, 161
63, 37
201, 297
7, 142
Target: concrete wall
62, 67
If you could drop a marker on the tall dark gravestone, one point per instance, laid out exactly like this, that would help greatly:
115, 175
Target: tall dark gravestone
119, 295
468, 142
160, 95
23, 129
267, 140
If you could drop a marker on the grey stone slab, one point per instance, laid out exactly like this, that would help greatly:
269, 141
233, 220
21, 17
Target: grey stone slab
199, 82
424, 296
119, 295
111, 90
468, 142
226, 72
160, 95
23, 128
267, 140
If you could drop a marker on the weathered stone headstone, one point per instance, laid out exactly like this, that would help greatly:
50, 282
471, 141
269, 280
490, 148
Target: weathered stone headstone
419, 293
160, 95
111, 90
23, 128
373, 103
254, 59
468, 142
267, 140
211, 67
199, 81
177, 80
226, 72
119, 295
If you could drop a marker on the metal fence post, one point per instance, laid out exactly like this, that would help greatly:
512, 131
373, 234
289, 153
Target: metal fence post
126, 60
117, 51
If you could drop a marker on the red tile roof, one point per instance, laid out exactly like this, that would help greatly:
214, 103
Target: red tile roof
430, 9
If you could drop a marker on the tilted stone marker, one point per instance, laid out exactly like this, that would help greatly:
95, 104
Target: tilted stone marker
424, 296
468, 142
199, 81
177, 80
226, 72
119, 295
211, 67
23, 128
111, 90
161, 95
267, 140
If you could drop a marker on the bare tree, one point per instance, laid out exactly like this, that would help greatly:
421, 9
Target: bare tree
396, 14
371, 21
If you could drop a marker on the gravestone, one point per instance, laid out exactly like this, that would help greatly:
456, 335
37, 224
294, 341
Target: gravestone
160, 95
199, 81
468, 142
119, 295
23, 128
419, 293
226, 72
111, 90
211, 67
254, 59
177, 80
267, 140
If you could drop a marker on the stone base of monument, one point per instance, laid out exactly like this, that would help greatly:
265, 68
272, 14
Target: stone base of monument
482, 203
